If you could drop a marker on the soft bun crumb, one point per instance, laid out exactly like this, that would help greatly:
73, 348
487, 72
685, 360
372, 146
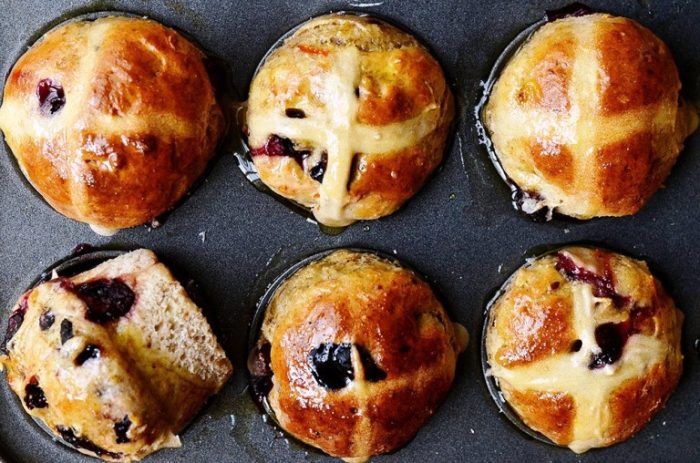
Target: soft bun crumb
115, 360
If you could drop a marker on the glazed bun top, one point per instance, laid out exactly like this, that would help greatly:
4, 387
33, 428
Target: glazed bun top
361, 354
111, 120
348, 117
586, 118
585, 345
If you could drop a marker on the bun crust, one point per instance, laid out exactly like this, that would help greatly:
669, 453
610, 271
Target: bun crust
111, 120
117, 388
586, 118
348, 117
585, 345
404, 351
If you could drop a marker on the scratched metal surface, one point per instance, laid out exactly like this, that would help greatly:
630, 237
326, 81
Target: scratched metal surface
460, 230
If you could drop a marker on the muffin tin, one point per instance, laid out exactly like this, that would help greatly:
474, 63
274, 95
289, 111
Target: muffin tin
460, 230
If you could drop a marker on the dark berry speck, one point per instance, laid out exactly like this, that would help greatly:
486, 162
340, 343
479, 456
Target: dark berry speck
319, 170
576, 345
372, 371
280, 146
295, 113
46, 320
34, 395
331, 365
51, 97
121, 428
66, 330
91, 351
106, 299
69, 436
15, 322
611, 341
260, 372
571, 10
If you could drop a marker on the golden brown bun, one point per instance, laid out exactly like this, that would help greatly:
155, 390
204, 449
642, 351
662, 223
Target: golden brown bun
115, 387
348, 117
585, 345
586, 118
139, 124
402, 345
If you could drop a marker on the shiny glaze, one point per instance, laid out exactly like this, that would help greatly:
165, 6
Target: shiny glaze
576, 338
375, 102
103, 150
348, 333
586, 115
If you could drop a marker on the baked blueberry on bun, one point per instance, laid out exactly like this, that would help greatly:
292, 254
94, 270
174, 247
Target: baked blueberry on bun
586, 118
585, 346
348, 117
354, 355
114, 361
111, 120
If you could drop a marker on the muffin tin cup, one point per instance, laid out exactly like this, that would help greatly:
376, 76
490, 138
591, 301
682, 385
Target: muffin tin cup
243, 154
256, 325
83, 258
226, 96
491, 382
271, 289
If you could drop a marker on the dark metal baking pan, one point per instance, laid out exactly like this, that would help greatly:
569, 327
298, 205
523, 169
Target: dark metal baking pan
460, 230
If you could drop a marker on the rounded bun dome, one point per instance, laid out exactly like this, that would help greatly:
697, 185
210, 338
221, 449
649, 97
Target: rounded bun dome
586, 117
348, 117
360, 354
111, 120
585, 346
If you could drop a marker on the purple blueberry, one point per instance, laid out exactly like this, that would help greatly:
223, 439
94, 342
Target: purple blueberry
331, 365
68, 435
603, 285
51, 96
91, 351
121, 428
260, 372
280, 146
46, 320
14, 323
66, 330
34, 395
106, 299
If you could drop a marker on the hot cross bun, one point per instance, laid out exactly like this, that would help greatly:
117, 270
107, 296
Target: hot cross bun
586, 118
348, 117
111, 120
360, 354
585, 346
116, 360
